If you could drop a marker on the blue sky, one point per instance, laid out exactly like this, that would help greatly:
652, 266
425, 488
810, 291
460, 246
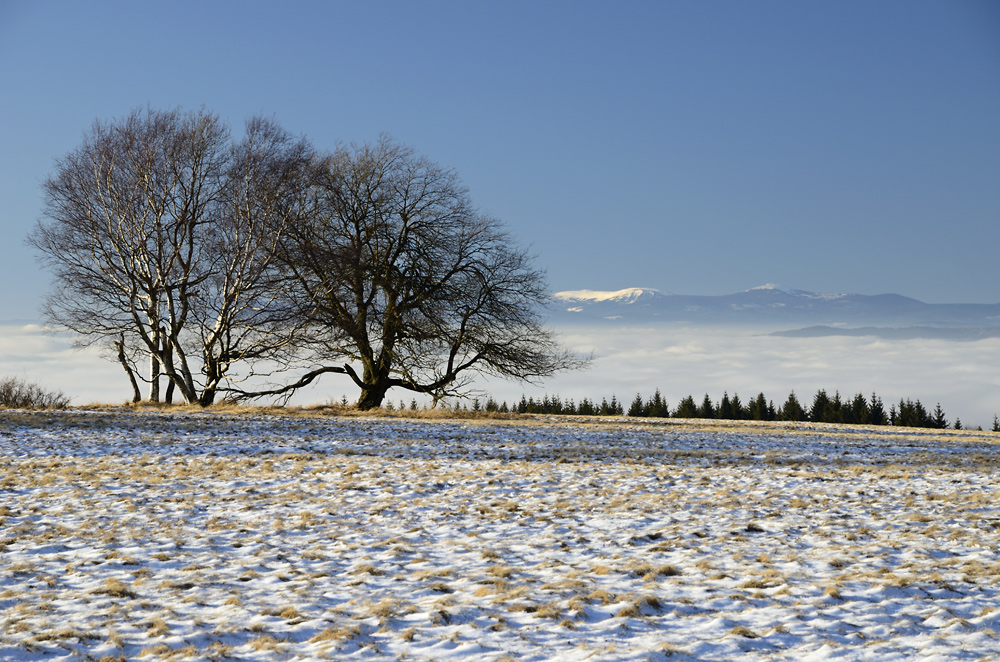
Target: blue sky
694, 147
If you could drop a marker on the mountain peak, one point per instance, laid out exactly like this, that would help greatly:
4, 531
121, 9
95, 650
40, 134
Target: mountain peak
772, 304
628, 295
773, 287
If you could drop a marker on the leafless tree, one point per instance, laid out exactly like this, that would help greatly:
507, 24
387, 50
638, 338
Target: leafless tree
161, 233
394, 269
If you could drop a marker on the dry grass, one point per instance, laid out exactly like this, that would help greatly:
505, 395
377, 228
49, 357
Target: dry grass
474, 546
116, 589
337, 633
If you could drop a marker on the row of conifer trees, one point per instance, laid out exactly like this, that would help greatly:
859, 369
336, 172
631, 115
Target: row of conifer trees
824, 409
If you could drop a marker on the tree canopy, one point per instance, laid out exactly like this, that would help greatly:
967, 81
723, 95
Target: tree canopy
223, 260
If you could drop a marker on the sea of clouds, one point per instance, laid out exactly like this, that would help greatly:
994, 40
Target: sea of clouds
678, 359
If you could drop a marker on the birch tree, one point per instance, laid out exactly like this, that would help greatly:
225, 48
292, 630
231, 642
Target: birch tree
154, 231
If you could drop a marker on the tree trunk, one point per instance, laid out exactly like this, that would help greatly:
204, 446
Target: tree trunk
372, 396
120, 346
154, 378
169, 360
207, 397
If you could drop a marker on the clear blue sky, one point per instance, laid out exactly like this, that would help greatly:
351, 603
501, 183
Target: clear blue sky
695, 147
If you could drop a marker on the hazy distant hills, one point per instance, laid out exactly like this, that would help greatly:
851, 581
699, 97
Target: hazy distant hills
886, 315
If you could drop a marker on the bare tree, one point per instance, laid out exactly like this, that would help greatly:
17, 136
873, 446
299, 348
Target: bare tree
155, 232
395, 270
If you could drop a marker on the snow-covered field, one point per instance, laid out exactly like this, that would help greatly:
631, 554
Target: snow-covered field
194, 536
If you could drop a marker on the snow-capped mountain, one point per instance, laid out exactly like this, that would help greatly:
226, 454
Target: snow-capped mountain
771, 305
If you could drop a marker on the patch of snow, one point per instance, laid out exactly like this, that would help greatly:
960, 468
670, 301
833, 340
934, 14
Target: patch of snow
628, 295
773, 287
211, 536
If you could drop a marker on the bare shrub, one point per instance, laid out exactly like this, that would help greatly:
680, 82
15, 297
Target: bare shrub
18, 393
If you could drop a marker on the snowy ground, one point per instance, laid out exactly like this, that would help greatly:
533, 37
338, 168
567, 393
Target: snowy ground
210, 536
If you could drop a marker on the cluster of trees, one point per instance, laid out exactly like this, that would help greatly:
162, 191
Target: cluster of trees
18, 393
207, 265
823, 409
554, 405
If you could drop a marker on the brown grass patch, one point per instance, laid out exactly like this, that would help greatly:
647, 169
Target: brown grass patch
116, 589
337, 633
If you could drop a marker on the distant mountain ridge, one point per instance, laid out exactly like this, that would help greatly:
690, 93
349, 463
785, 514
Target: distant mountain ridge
774, 306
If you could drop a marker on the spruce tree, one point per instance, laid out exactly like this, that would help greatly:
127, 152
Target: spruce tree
792, 410
739, 413
859, 411
922, 417
836, 412
686, 408
707, 409
876, 412
657, 407
616, 407
939, 421
637, 408
725, 408
820, 407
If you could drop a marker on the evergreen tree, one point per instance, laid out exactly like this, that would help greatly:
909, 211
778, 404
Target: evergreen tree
707, 409
820, 410
739, 413
725, 408
758, 408
637, 408
958, 423
657, 407
792, 410
876, 412
939, 421
996, 423
836, 413
616, 407
686, 408
858, 411
905, 416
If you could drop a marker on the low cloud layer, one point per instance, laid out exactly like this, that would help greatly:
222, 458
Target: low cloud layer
679, 360
682, 360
